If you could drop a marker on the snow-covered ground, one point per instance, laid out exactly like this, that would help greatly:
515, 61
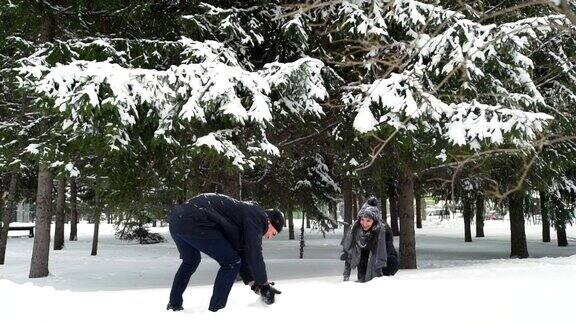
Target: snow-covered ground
456, 281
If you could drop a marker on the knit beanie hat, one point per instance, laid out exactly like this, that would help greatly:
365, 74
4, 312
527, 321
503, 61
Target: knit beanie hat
276, 218
370, 209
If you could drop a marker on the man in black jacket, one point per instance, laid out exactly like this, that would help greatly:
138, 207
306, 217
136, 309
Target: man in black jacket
229, 231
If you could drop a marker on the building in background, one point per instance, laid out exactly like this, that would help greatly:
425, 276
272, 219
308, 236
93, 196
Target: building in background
25, 213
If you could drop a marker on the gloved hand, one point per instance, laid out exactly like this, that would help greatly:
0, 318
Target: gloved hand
344, 256
267, 291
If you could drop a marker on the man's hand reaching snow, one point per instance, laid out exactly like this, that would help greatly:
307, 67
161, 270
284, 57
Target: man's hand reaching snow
267, 291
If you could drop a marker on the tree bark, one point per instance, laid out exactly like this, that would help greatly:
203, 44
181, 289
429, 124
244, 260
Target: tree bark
354, 206
59, 222
307, 220
545, 215
467, 214
347, 192
47, 28
423, 206
383, 208
480, 216
561, 233
232, 185
518, 246
302, 243
73, 210
96, 221
41, 248
8, 209
394, 214
290, 215
334, 213
418, 211
3, 228
406, 209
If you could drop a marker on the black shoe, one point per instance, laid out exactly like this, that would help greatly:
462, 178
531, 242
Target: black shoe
174, 308
215, 308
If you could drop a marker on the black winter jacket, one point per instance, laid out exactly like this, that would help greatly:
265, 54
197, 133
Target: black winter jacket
242, 223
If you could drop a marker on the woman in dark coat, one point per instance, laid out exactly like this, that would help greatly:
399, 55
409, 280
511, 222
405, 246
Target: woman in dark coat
369, 245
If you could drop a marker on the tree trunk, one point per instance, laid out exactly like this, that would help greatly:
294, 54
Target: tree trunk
59, 222
73, 211
347, 192
96, 221
3, 227
47, 28
7, 210
518, 246
394, 215
418, 211
467, 214
383, 206
11, 203
290, 215
354, 206
423, 206
561, 233
480, 216
544, 212
302, 243
232, 185
41, 248
406, 209
334, 213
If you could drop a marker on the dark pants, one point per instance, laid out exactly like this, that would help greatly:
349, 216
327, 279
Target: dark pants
363, 265
391, 268
392, 265
218, 249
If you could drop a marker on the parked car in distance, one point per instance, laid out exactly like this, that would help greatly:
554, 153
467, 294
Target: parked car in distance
493, 215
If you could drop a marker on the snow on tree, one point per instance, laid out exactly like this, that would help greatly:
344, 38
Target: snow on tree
420, 77
496, 84
207, 86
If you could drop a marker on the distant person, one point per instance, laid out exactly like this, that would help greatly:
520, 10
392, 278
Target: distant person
369, 245
229, 231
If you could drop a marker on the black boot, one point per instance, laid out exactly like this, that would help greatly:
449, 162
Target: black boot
174, 308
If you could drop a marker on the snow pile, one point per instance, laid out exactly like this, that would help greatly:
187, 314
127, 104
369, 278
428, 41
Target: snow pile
494, 293
457, 281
